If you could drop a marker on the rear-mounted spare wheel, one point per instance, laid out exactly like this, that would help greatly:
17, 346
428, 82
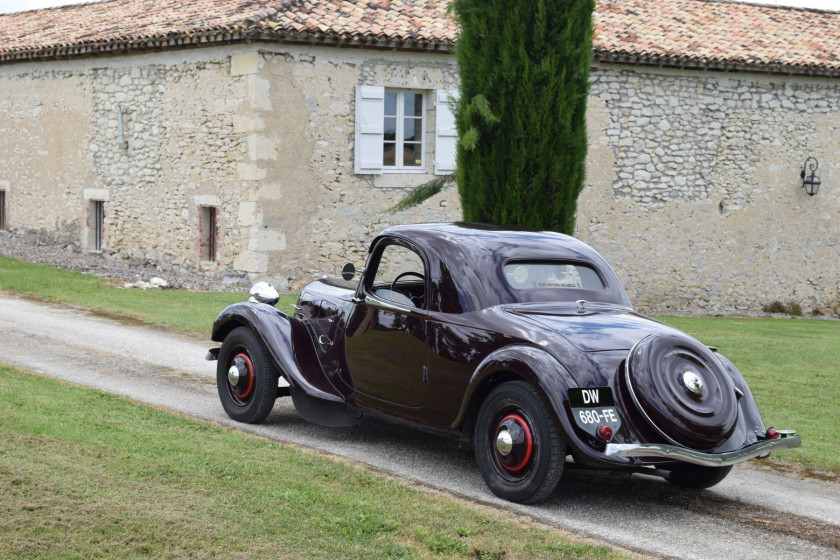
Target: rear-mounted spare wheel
682, 391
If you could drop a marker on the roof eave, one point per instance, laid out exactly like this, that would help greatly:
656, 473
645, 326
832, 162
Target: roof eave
219, 37
690, 63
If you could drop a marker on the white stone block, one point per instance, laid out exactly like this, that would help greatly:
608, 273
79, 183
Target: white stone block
261, 94
97, 194
243, 123
207, 200
267, 239
243, 64
249, 171
251, 261
249, 214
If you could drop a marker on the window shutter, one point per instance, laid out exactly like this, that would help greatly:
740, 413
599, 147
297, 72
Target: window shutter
446, 135
370, 133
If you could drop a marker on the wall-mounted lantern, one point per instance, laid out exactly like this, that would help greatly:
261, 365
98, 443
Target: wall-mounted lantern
811, 183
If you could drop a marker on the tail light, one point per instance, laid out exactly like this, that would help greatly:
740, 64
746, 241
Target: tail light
605, 433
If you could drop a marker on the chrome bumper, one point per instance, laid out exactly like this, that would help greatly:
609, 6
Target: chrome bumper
788, 440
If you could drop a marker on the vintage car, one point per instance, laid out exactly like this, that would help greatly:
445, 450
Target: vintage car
522, 341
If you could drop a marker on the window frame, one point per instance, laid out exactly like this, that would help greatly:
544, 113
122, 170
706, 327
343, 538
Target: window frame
398, 166
94, 241
366, 286
3, 225
208, 231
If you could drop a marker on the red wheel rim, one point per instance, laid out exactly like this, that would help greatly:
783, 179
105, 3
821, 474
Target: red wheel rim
243, 390
522, 443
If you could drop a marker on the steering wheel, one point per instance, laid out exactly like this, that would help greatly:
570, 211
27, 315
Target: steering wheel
419, 298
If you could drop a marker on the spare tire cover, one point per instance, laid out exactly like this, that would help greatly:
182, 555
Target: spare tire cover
682, 390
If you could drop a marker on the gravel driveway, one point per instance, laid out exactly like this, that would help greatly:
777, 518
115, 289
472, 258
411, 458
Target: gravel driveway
754, 513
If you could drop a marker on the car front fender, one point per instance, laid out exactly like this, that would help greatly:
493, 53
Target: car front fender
287, 342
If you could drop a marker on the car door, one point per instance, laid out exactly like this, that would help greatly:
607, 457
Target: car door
386, 344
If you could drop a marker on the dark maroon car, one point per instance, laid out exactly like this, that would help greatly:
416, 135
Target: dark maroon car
524, 342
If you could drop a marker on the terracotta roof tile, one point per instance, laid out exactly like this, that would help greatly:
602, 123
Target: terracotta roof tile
718, 34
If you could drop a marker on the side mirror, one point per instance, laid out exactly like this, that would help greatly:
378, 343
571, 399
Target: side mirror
348, 272
263, 292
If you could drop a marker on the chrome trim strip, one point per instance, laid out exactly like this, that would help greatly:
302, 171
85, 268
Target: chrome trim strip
379, 303
698, 457
635, 399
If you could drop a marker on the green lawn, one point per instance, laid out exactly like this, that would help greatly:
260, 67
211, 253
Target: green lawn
179, 309
790, 364
87, 475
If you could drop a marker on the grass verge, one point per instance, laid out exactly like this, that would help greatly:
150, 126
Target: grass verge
180, 309
86, 474
791, 368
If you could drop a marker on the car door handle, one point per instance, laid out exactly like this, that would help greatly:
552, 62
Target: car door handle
324, 341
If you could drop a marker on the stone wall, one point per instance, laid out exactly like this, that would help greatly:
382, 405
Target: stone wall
692, 192
263, 133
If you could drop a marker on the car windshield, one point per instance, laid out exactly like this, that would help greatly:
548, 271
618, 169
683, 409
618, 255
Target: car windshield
547, 275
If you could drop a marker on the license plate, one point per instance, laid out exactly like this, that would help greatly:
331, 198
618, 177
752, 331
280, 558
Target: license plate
594, 407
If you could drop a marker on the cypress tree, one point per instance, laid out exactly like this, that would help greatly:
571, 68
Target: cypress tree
521, 115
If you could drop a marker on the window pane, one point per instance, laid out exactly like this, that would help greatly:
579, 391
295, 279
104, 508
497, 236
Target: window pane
390, 103
552, 275
413, 104
411, 155
397, 260
390, 128
389, 155
412, 129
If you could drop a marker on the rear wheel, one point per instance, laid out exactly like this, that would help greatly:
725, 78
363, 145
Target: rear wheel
696, 476
518, 450
245, 377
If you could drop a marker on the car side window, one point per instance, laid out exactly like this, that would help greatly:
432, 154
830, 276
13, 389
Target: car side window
400, 277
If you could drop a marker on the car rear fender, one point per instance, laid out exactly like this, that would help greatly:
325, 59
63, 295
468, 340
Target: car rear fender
287, 342
545, 373
750, 415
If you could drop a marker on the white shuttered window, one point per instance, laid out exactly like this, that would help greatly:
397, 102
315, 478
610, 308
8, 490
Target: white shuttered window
391, 131
370, 110
446, 135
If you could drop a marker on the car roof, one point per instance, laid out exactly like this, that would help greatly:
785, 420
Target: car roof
468, 258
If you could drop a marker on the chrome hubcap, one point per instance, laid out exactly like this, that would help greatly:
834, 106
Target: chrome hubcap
504, 443
693, 382
233, 375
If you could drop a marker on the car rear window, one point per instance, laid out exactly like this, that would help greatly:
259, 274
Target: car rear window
547, 275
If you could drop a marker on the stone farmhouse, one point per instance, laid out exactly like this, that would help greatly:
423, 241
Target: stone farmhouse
270, 138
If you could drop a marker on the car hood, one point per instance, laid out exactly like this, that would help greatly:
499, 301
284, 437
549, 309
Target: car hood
599, 328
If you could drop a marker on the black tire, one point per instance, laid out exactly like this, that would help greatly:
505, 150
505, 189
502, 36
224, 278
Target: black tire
252, 397
528, 472
697, 477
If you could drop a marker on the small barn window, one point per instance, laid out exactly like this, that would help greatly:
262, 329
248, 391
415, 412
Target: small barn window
2, 210
208, 232
96, 224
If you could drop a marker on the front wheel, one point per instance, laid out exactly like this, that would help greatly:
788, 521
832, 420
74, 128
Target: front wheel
697, 477
246, 377
517, 447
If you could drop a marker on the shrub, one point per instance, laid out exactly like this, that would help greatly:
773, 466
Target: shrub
775, 307
791, 308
